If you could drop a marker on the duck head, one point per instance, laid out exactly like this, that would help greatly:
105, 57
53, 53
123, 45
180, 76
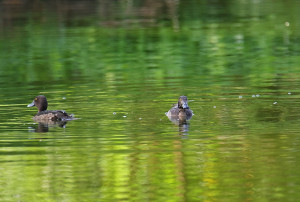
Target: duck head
40, 102
183, 102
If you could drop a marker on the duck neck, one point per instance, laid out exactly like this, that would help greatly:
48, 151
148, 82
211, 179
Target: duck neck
43, 108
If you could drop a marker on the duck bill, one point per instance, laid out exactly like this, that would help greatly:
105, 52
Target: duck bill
185, 105
31, 104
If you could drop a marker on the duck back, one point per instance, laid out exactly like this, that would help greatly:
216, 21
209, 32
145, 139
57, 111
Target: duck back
55, 115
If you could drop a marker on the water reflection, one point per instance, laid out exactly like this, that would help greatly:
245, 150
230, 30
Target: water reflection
269, 114
43, 126
182, 123
124, 56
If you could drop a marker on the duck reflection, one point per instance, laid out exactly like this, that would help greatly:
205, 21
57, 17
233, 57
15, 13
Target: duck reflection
43, 126
269, 114
182, 123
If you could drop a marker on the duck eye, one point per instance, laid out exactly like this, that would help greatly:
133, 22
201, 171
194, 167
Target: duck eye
35, 99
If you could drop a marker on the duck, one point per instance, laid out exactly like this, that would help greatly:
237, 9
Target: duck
43, 114
181, 109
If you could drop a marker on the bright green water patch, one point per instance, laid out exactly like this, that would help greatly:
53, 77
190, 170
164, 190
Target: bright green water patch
237, 62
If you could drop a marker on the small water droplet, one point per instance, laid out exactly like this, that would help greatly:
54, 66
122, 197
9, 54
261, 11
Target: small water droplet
289, 93
275, 103
253, 95
257, 95
114, 113
124, 116
64, 98
140, 118
215, 106
240, 97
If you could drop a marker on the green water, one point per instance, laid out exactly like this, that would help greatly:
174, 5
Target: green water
119, 66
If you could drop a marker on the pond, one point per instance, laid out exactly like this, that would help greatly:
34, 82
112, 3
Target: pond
119, 66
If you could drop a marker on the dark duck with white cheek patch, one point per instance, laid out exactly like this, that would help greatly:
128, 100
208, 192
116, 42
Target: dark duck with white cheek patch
55, 115
181, 109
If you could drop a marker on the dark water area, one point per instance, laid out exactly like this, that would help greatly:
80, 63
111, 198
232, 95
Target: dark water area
119, 66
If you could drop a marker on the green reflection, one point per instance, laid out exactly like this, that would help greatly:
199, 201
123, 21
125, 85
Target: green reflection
118, 66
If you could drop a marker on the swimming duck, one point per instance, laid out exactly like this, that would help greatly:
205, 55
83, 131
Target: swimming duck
43, 114
181, 109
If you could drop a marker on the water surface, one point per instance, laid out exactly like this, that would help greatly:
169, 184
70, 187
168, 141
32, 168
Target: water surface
119, 67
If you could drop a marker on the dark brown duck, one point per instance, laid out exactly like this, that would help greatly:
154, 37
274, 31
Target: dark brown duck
181, 109
43, 114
